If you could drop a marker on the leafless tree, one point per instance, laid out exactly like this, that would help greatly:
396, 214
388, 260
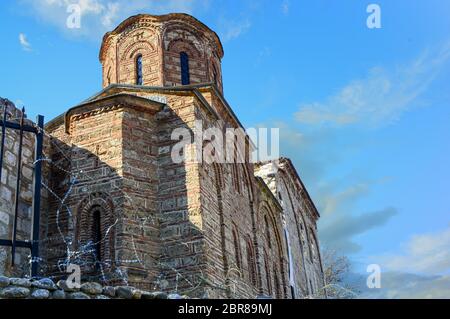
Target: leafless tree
336, 270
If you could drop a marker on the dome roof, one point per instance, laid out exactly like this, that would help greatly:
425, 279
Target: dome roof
161, 18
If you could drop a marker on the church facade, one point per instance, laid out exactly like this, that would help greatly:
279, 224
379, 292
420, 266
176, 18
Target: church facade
121, 208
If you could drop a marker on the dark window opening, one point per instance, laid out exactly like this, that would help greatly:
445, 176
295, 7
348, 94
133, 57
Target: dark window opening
139, 74
184, 60
237, 252
97, 237
251, 263
267, 232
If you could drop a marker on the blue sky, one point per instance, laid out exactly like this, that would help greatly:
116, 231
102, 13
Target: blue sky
363, 112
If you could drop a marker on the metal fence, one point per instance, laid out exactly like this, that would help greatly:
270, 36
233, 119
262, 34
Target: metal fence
38, 131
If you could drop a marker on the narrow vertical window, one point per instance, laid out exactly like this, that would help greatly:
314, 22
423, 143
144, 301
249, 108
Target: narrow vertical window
237, 251
139, 76
251, 263
97, 237
266, 222
184, 60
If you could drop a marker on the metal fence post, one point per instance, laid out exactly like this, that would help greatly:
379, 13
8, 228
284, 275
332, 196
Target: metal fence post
37, 197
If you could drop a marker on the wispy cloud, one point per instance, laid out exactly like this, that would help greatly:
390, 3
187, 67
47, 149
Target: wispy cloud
379, 98
424, 253
99, 16
231, 29
403, 285
26, 46
285, 7
338, 230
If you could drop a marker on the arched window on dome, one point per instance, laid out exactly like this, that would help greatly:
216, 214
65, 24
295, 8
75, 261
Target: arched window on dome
184, 61
139, 74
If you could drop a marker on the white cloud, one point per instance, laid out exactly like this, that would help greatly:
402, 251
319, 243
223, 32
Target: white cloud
425, 253
401, 285
100, 16
232, 29
26, 46
379, 98
285, 6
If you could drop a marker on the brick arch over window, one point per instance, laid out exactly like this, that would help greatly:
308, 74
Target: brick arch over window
142, 47
219, 183
178, 38
95, 233
299, 221
266, 211
127, 62
251, 261
237, 247
185, 33
235, 174
180, 45
248, 182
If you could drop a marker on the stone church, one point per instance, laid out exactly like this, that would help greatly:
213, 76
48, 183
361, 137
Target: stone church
118, 205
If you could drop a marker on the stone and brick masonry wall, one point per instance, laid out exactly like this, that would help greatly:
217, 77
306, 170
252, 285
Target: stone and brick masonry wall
8, 193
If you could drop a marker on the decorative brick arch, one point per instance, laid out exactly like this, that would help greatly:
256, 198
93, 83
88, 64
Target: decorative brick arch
181, 45
183, 37
266, 211
251, 261
219, 183
300, 224
248, 182
96, 202
237, 247
132, 50
185, 31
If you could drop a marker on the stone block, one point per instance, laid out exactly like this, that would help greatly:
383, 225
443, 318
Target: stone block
92, 288
44, 283
20, 282
78, 295
40, 294
14, 292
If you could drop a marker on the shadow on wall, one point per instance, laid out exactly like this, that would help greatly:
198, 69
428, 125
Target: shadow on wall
123, 225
